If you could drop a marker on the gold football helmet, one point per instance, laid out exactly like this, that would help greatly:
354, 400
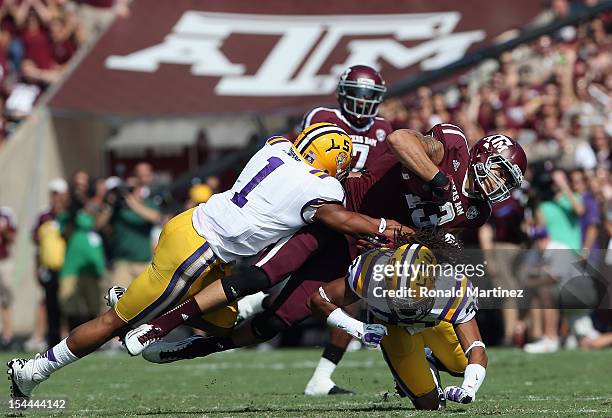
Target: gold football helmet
412, 271
326, 147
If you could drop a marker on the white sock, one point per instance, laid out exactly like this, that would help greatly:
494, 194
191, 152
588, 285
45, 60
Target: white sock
54, 359
324, 369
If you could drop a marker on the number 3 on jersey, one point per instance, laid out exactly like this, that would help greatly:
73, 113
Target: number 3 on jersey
445, 213
240, 198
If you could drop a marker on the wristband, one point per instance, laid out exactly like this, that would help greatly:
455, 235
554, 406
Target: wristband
439, 180
475, 344
382, 226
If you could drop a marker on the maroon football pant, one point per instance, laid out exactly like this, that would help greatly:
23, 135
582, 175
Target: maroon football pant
313, 256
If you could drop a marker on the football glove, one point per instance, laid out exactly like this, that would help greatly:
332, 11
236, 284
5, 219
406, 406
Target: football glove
373, 334
441, 186
459, 394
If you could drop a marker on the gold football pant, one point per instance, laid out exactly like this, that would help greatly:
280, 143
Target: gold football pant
183, 264
405, 356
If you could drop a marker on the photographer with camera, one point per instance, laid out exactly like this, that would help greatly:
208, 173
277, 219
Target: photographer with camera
84, 261
129, 216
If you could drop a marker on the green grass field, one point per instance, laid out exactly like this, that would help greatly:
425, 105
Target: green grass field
248, 383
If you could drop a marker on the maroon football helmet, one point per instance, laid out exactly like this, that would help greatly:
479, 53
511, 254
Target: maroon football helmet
360, 90
498, 163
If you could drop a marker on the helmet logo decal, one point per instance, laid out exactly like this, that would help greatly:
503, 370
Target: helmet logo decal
310, 157
498, 142
341, 159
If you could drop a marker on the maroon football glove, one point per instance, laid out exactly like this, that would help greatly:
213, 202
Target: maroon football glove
440, 187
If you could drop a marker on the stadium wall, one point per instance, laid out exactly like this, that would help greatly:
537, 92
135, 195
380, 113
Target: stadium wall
29, 160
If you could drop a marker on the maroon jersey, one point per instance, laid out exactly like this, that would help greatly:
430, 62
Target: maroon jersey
369, 142
8, 222
390, 190
506, 218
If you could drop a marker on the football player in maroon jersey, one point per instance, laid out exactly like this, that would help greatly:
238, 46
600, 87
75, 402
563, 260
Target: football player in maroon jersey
445, 186
360, 91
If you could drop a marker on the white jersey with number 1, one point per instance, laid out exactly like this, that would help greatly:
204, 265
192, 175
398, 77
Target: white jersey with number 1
275, 195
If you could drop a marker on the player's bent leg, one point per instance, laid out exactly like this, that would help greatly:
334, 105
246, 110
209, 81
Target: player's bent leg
260, 328
321, 382
446, 350
404, 354
25, 374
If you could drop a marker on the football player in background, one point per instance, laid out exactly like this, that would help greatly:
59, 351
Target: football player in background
280, 190
360, 92
405, 324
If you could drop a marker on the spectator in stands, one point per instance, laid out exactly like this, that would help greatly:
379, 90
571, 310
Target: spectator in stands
561, 215
131, 217
600, 141
501, 241
559, 284
8, 232
50, 253
590, 218
84, 264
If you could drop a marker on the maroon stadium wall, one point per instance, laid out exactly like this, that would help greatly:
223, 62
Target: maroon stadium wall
188, 57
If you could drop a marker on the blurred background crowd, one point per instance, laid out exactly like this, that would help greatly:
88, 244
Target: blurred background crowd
553, 95
38, 38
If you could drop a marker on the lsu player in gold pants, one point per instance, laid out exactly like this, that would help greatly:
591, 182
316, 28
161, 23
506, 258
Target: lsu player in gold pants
281, 189
405, 324
184, 263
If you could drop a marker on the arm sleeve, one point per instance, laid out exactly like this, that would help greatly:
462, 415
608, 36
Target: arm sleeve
322, 191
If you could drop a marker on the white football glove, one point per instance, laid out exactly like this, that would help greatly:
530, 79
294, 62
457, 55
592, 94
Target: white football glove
459, 394
373, 334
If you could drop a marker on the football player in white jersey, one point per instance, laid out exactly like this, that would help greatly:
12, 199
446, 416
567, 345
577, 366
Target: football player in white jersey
405, 323
281, 189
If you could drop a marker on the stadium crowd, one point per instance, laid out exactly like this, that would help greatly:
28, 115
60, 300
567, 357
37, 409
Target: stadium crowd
552, 95
38, 38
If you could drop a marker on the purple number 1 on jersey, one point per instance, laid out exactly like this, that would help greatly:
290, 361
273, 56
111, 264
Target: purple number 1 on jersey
240, 198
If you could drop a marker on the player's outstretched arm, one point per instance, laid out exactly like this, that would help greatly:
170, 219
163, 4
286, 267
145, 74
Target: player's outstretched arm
338, 218
475, 372
328, 301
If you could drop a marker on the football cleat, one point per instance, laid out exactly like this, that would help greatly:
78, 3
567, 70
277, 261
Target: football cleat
23, 377
435, 374
113, 295
140, 338
168, 352
458, 394
318, 387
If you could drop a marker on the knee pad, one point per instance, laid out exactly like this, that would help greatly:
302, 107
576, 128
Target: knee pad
266, 325
246, 281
